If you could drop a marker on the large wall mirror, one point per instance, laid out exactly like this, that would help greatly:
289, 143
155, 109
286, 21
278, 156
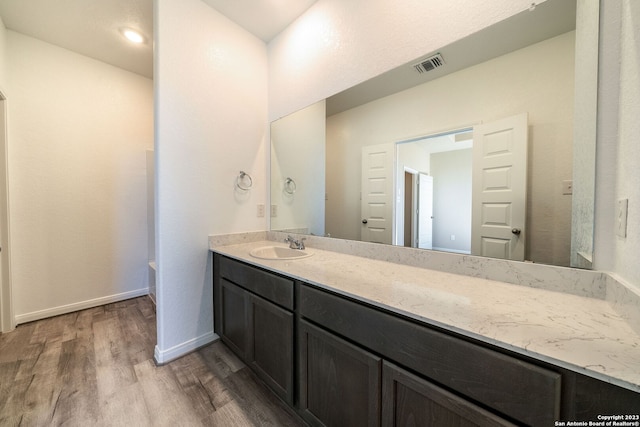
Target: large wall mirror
484, 147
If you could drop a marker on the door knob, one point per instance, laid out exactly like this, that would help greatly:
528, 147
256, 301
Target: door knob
516, 231
364, 221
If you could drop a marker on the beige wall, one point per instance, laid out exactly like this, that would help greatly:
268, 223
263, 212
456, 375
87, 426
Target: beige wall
78, 133
452, 192
518, 82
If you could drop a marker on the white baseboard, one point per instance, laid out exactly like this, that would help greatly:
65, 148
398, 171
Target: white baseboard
165, 356
70, 308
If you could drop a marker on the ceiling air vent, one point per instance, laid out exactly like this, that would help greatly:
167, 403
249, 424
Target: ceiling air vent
429, 64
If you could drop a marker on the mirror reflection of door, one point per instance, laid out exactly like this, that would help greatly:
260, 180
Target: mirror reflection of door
410, 223
376, 206
418, 209
500, 188
425, 211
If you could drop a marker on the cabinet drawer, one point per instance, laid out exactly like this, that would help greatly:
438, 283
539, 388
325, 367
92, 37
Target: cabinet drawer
523, 391
270, 286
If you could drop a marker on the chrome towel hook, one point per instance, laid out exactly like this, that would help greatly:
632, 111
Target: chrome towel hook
244, 181
290, 186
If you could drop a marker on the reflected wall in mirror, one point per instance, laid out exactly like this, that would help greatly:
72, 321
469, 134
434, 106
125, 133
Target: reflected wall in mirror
535, 78
298, 171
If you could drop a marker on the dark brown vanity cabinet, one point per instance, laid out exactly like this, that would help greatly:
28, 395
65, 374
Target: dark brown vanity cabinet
358, 364
339, 382
253, 316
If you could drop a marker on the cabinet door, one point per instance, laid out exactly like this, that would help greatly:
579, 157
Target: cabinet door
339, 382
271, 345
409, 400
234, 317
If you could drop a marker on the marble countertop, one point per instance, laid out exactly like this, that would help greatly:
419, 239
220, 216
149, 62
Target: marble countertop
579, 333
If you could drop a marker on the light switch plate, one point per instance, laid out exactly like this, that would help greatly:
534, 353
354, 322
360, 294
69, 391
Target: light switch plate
260, 211
274, 211
567, 187
621, 217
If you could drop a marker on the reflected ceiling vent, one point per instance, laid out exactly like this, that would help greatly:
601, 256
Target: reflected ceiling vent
429, 64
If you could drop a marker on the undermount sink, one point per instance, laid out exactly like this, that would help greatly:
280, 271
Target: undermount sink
279, 252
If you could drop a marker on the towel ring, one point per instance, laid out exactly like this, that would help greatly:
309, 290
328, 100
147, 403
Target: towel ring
290, 186
244, 181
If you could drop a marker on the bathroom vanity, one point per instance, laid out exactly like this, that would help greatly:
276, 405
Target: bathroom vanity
346, 340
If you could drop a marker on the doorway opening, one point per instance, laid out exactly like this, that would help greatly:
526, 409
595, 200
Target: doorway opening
434, 192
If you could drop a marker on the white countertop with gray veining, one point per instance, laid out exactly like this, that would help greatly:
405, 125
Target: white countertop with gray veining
580, 333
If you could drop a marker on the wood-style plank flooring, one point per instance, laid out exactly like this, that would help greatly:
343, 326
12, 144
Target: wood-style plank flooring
95, 367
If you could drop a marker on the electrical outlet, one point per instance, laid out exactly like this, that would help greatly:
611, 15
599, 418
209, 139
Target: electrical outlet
567, 187
453, 237
621, 217
274, 211
260, 211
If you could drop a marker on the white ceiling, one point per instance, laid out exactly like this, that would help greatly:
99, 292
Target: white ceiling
91, 27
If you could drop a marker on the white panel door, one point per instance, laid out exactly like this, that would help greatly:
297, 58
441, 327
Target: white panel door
376, 207
425, 211
500, 188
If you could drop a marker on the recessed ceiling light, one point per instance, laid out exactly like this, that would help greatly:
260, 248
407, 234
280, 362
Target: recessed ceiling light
132, 35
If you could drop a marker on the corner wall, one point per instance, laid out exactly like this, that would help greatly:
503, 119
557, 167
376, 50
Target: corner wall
78, 129
627, 249
618, 151
211, 123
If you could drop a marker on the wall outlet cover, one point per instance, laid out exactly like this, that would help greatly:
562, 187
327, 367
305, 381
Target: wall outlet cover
274, 211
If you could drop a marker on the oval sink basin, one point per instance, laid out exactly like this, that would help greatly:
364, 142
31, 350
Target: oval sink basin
279, 252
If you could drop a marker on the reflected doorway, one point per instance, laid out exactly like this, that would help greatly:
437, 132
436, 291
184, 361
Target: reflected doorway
434, 192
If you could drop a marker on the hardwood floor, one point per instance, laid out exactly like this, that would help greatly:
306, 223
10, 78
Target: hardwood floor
95, 367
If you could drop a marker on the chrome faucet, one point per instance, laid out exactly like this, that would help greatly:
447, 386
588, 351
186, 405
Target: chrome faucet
294, 243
